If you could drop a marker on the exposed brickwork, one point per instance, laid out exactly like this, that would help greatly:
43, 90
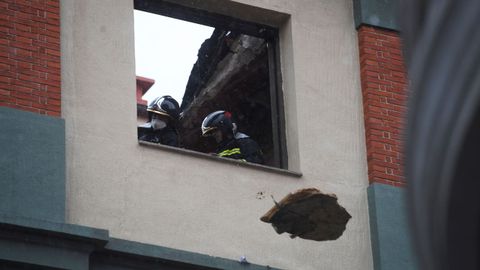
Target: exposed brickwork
30, 55
384, 88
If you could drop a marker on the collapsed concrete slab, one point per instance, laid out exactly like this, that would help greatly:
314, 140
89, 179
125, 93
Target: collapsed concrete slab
308, 214
231, 73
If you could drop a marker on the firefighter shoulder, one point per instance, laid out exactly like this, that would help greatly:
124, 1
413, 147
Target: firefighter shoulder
230, 143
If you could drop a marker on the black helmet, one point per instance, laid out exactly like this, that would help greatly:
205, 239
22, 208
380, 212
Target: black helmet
217, 120
165, 105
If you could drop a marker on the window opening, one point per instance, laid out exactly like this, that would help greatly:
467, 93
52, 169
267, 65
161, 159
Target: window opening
236, 69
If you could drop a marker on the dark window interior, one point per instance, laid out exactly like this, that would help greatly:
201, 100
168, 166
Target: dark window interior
236, 70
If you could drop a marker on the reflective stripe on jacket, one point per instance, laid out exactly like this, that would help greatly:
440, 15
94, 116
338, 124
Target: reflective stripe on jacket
242, 147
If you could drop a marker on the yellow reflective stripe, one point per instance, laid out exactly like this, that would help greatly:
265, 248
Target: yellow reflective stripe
230, 152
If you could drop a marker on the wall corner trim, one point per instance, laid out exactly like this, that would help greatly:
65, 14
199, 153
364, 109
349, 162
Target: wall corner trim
378, 13
32, 165
28, 241
389, 228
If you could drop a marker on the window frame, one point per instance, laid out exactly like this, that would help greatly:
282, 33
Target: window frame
268, 33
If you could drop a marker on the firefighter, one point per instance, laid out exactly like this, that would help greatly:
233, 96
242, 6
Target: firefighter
230, 143
163, 114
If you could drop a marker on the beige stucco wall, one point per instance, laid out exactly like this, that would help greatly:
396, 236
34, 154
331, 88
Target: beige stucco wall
202, 205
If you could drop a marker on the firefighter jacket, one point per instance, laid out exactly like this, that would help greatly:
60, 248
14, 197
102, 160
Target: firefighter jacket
166, 136
241, 147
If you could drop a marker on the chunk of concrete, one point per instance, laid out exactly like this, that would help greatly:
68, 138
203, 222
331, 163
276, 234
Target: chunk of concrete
308, 214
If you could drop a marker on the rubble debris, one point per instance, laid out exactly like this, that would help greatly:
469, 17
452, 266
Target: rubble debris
243, 260
231, 73
260, 195
308, 214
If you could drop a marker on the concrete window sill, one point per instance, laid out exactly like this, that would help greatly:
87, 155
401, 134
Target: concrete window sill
220, 159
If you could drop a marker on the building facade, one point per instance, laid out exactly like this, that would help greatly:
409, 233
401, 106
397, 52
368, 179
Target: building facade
80, 192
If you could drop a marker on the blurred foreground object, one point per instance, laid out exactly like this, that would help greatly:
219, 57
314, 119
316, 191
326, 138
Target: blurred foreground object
442, 49
308, 214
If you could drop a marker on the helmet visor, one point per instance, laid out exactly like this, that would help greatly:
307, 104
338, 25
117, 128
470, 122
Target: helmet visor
208, 131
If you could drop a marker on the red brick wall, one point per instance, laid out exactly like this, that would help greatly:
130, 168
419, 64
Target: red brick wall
384, 88
30, 55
